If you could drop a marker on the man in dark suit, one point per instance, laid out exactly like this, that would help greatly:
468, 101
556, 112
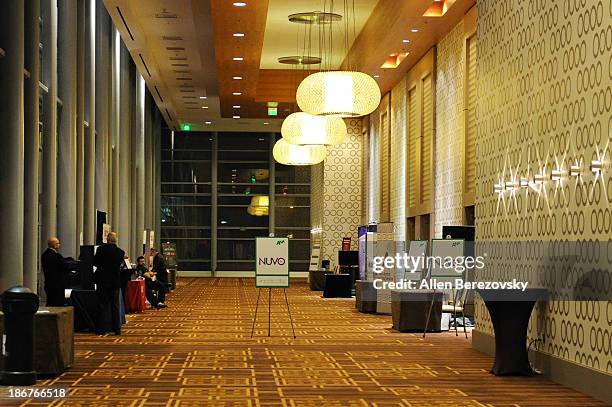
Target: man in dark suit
155, 291
159, 266
54, 267
108, 261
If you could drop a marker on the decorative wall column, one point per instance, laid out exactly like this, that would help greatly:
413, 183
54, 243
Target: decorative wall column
80, 122
67, 139
11, 128
49, 163
31, 144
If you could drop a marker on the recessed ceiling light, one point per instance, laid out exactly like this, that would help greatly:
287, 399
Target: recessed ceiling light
239, 4
262, 139
204, 107
405, 41
236, 106
238, 59
236, 117
202, 97
266, 123
414, 30
237, 78
376, 76
237, 93
238, 34
208, 123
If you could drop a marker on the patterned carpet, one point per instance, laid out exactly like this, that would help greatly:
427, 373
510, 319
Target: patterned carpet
198, 352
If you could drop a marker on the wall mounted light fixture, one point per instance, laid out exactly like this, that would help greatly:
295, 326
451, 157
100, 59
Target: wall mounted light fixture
556, 174
524, 182
498, 188
596, 166
575, 170
511, 185
539, 178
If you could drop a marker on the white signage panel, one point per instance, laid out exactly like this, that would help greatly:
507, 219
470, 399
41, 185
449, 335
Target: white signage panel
272, 260
445, 253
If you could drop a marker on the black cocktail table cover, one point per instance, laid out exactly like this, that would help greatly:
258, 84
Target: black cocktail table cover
510, 313
337, 286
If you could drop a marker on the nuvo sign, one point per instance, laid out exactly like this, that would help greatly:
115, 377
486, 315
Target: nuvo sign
272, 262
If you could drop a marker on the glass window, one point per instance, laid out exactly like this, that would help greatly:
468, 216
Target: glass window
243, 188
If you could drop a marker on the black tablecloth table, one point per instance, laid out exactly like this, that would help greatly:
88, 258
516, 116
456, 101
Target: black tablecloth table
365, 296
337, 286
409, 310
510, 312
316, 279
85, 305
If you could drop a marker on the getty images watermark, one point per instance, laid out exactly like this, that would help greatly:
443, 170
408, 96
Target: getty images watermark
436, 273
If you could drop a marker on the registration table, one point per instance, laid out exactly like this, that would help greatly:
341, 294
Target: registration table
85, 305
135, 296
510, 313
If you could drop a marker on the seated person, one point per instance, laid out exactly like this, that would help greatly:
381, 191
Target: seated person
152, 285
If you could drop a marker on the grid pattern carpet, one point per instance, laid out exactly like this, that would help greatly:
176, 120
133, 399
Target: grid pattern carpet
198, 352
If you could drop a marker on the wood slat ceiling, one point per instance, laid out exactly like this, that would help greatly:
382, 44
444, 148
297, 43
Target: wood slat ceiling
191, 53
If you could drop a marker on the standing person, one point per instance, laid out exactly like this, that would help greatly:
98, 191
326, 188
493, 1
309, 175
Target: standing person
54, 267
108, 260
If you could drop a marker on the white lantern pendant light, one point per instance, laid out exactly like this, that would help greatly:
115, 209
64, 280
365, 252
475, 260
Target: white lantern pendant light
305, 129
338, 93
290, 154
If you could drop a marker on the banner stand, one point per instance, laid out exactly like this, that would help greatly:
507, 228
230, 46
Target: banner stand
271, 271
270, 312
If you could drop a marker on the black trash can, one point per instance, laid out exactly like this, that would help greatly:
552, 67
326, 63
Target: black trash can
19, 305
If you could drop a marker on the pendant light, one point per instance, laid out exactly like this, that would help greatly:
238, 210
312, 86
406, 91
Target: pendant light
336, 92
301, 128
305, 129
290, 154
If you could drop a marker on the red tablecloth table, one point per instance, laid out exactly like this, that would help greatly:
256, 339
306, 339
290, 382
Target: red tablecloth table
135, 296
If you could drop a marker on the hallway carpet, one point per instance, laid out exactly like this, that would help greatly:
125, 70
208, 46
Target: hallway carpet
198, 352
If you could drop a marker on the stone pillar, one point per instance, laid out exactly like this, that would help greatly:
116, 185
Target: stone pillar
49, 170
11, 128
102, 58
67, 138
125, 115
115, 128
80, 123
89, 142
31, 144
139, 162
149, 158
